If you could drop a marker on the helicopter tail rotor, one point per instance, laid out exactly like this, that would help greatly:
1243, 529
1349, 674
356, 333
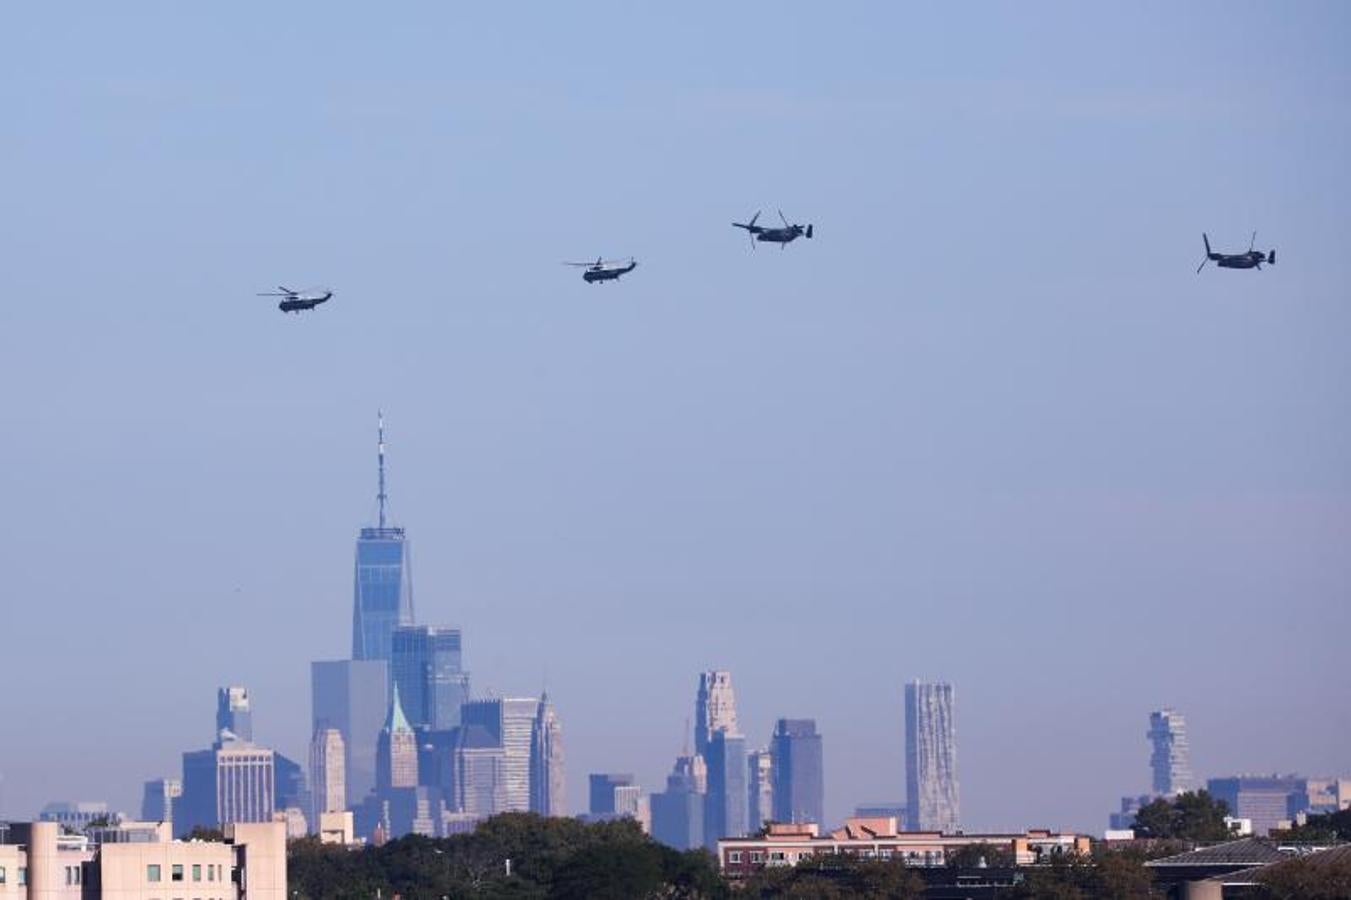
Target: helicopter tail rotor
1271, 257
809, 230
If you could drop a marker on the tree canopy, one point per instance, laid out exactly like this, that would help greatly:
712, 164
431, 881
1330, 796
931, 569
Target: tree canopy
550, 857
1191, 816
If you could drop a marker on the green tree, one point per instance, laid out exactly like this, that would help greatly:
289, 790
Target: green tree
1307, 878
973, 856
1109, 875
1191, 816
202, 833
1326, 828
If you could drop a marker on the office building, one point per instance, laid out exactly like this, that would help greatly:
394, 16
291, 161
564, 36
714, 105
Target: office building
292, 789
352, 696
760, 788
547, 777
328, 774
158, 797
725, 806
510, 722
677, 814
886, 809
1170, 760
478, 777
714, 708
77, 815
931, 757
602, 791
1265, 800
382, 580
396, 761
233, 714
38, 862
426, 666
232, 782
799, 774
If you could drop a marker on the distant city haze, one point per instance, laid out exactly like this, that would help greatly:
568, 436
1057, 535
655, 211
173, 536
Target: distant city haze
986, 428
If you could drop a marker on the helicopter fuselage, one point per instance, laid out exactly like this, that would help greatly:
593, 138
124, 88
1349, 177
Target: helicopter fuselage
1252, 260
603, 274
298, 304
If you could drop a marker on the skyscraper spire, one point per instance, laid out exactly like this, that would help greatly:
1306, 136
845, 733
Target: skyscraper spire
382, 496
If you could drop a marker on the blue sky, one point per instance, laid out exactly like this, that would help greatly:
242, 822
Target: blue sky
987, 426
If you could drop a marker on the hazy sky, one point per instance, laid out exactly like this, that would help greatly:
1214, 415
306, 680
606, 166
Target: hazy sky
988, 426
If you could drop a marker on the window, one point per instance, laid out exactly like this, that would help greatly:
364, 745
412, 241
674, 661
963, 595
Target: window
2, 874
733, 856
23, 874
152, 872
776, 855
196, 872
210, 872
757, 856
176, 874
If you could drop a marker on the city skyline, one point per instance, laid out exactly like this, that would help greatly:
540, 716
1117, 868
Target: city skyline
954, 414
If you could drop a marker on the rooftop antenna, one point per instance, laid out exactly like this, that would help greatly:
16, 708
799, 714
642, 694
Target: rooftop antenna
382, 496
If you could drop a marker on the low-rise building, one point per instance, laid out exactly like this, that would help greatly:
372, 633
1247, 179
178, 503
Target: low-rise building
878, 838
39, 863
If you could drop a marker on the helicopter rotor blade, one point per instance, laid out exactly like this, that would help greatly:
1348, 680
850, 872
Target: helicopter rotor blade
1252, 242
1204, 260
785, 219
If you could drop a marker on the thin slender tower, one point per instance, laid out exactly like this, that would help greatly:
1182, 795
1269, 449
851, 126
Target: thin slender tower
383, 582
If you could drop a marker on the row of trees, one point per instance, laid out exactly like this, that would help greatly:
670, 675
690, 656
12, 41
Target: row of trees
548, 857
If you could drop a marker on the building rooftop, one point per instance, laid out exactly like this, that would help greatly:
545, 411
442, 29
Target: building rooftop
1248, 851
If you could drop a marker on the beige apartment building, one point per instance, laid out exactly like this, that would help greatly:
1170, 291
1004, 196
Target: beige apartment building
879, 838
39, 863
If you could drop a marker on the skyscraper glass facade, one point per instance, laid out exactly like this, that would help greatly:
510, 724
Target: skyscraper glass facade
383, 592
799, 776
1171, 759
426, 667
351, 696
511, 724
726, 805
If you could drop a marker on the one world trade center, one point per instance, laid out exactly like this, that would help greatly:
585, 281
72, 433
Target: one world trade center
383, 584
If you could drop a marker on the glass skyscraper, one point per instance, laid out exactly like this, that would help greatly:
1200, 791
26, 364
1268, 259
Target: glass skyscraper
382, 582
1171, 759
799, 778
425, 663
726, 805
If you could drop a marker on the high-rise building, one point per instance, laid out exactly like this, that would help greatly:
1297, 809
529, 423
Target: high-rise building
1265, 799
603, 785
233, 782
930, 757
511, 724
714, 708
478, 782
547, 779
328, 774
382, 581
427, 669
1171, 759
760, 788
233, 714
158, 797
799, 774
678, 812
351, 695
726, 802
396, 752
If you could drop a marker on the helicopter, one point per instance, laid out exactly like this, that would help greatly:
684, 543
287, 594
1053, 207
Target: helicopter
781, 236
605, 269
1252, 259
296, 301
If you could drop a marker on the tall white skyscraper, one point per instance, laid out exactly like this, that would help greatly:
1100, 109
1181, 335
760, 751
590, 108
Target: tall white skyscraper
761, 788
930, 757
546, 762
328, 773
714, 709
1171, 759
